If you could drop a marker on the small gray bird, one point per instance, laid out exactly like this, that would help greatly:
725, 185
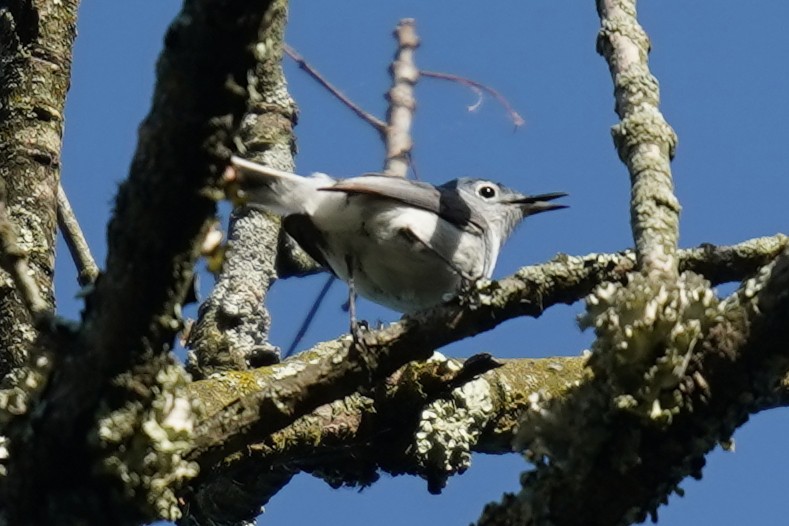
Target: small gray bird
404, 244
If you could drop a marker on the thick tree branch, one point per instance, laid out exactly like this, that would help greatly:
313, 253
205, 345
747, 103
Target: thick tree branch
665, 346
199, 98
268, 399
231, 332
611, 465
133, 312
35, 42
13, 260
349, 441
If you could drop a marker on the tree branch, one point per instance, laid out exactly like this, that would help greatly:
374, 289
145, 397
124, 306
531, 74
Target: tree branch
273, 398
644, 140
231, 332
401, 100
514, 116
87, 271
14, 261
610, 464
117, 373
350, 440
372, 120
35, 38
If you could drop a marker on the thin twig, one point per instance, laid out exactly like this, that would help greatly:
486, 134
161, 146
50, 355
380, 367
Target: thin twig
13, 259
478, 87
305, 325
401, 99
374, 121
75, 240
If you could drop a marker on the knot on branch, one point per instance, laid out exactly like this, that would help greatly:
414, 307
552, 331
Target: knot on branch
646, 333
638, 85
626, 26
448, 428
145, 443
646, 126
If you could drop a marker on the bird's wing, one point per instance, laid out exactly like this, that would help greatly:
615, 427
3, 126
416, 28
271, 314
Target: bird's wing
414, 238
443, 202
301, 228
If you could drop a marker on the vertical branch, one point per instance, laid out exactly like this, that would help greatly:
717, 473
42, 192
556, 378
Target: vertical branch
14, 261
35, 43
118, 367
644, 141
401, 100
232, 328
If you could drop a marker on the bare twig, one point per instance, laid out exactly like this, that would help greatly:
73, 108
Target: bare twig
75, 240
401, 100
374, 121
305, 325
478, 88
13, 260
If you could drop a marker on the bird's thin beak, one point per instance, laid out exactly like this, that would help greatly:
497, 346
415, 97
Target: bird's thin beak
535, 204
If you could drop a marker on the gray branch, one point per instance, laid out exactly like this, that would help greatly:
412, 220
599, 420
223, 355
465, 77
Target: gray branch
644, 140
87, 270
116, 375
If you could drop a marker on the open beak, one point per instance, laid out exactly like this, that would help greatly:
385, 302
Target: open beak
535, 204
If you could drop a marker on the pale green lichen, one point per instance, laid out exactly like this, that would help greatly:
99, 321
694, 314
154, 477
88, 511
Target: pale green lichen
145, 444
646, 333
449, 427
23, 387
4, 454
535, 428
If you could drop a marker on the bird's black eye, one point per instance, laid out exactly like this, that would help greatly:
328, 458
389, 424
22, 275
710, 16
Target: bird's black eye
486, 191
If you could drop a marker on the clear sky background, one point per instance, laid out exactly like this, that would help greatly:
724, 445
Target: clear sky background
723, 74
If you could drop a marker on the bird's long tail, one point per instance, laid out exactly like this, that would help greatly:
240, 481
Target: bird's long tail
277, 191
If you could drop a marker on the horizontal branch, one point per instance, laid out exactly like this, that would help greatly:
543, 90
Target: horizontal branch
262, 401
350, 440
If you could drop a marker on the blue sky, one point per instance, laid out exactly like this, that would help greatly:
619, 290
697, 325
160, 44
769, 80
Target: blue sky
724, 86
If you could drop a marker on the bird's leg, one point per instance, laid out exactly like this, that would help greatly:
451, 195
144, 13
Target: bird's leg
358, 347
466, 289
356, 326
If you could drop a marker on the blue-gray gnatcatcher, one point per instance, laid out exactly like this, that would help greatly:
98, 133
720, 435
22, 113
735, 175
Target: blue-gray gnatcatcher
404, 244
